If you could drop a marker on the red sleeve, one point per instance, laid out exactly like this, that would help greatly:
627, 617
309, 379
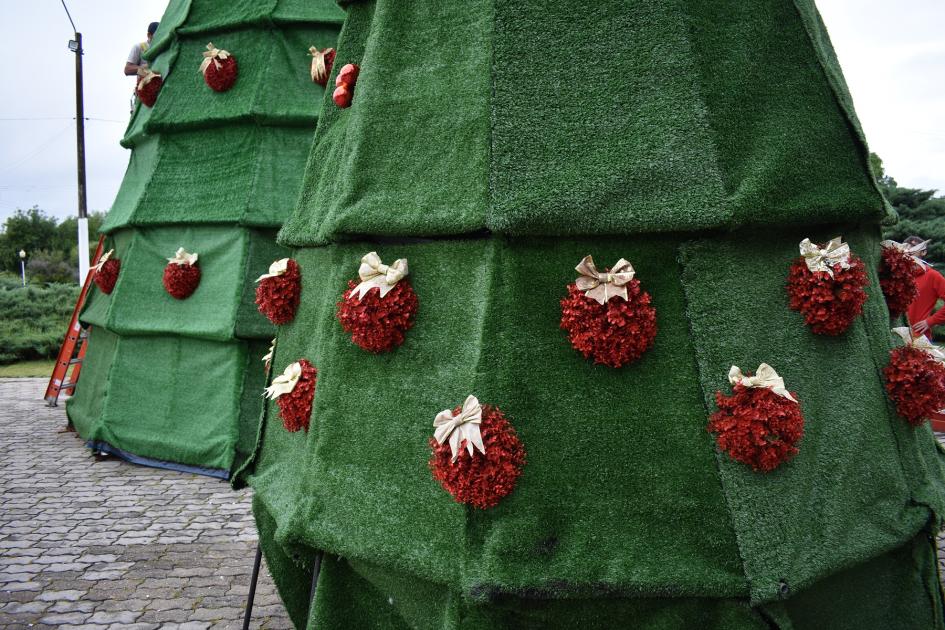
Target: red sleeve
938, 283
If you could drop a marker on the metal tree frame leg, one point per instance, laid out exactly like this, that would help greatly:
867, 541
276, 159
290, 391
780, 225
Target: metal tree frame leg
252, 587
315, 571
255, 580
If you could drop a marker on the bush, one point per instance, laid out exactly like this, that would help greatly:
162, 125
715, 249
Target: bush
33, 320
45, 266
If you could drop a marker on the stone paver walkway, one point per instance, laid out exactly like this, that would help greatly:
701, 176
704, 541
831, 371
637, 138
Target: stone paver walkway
105, 544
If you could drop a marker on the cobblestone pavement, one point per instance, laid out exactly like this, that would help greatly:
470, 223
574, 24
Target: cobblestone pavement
105, 544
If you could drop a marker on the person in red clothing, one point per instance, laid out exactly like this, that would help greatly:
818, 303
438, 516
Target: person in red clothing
931, 286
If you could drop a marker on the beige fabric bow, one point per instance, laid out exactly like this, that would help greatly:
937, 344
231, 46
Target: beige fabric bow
465, 426
374, 273
920, 342
214, 55
103, 259
183, 258
836, 252
603, 286
909, 250
319, 67
277, 268
267, 359
912, 250
285, 382
147, 77
765, 378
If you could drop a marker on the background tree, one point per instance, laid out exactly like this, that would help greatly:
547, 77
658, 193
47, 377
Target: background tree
46, 241
920, 213
31, 230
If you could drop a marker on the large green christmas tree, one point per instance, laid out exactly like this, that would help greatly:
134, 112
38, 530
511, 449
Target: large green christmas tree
494, 144
178, 382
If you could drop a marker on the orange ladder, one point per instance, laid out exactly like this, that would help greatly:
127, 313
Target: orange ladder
76, 337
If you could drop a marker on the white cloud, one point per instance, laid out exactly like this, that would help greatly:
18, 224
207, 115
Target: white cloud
893, 58
37, 83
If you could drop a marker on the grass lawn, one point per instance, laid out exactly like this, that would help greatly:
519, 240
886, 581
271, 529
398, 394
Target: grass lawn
42, 368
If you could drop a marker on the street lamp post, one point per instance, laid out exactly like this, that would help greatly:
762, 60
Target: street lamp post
75, 45
23, 266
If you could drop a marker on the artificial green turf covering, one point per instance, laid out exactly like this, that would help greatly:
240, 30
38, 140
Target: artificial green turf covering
404, 127
901, 588
881, 495
493, 331
701, 141
223, 306
181, 381
674, 116
295, 585
254, 181
142, 397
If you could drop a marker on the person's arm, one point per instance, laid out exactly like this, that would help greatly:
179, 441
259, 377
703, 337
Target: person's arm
135, 65
938, 317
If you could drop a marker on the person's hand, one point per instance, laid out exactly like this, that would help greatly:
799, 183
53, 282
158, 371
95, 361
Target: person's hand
920, 328
142, 69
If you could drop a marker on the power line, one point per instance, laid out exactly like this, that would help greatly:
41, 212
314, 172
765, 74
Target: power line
123, 122
42, 147
41, 118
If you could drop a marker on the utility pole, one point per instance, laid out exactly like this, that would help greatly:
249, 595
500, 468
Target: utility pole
75, 46
80, 126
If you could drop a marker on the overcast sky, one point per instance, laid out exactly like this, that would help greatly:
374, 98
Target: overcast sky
892, 53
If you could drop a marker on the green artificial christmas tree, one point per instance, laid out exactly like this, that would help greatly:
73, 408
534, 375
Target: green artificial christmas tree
174, 367
543, 248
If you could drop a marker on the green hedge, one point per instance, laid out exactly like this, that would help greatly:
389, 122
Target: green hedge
33, 320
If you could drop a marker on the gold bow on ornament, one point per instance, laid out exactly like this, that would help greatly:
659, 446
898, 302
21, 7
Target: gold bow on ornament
267, 359
214, 55
817, 258
374, 273
908, 250
603, 286
103, 259
146, 77
277, 268
183, 258
319, 67
285, 382
920, 342
464, 426
764, 378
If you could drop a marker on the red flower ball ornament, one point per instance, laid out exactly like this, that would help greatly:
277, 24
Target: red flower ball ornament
293, 391
898, 271
915, 377
760, 424
181, 275
344, 85
826, 284
322, 61
608, 316
378, 311
106, 272
219, 68
477, 456
149, 84
277, 295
